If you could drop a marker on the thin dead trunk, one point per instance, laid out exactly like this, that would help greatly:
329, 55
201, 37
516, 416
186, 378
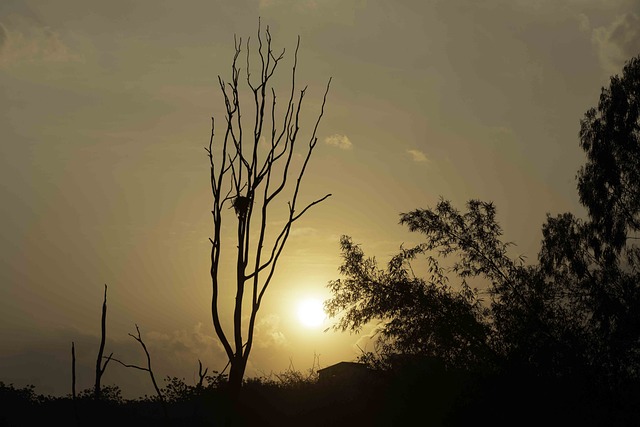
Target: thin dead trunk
73, 383
73, 370
100, 367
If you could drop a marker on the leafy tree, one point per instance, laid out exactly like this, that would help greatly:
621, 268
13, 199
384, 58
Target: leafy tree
595, 261
250, 170
521, 315
425, 317
521, 325
565, 317
598, 300
608, 184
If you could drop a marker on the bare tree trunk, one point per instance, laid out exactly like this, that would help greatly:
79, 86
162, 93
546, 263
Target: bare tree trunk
236, 374
73, 383
73, 370
100, 367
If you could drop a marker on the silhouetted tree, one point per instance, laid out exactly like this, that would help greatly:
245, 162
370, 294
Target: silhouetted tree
596, 262
570, 315
73, 370
250, 169
520, 318
519, 325
598, 299
427, 317
609, 183
148, 369
100, 364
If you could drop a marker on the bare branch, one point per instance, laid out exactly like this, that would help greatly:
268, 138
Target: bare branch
127, 365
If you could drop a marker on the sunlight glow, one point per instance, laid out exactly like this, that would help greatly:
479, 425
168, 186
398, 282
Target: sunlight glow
311, 313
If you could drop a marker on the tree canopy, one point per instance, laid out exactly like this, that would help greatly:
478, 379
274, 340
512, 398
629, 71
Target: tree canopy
608, 184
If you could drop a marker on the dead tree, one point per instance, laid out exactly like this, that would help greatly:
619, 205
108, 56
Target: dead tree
73, 383
100, 367
147, 369
250, 169
73, 370
202, 375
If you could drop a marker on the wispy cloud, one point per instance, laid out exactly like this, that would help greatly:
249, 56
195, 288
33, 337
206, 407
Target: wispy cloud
340, 141
32, 44
268, 334
417, 156
618, 42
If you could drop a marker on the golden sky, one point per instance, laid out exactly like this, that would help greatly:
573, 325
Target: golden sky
105, 109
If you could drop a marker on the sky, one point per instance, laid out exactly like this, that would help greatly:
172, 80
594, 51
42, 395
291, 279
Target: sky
105, 109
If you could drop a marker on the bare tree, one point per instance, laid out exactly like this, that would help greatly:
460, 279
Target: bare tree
249, 171
100, 367
73, 370
202, 375
147, 369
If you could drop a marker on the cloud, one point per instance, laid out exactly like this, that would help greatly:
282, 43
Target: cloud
618, 42
340, 141
417, 156
32, 44
268, 334
584, 24
187, 344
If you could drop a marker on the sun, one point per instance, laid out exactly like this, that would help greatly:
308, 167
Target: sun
311, 313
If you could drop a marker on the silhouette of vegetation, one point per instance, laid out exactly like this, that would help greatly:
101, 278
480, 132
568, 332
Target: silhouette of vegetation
562, 334
249, 171
608, 184
423, 317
